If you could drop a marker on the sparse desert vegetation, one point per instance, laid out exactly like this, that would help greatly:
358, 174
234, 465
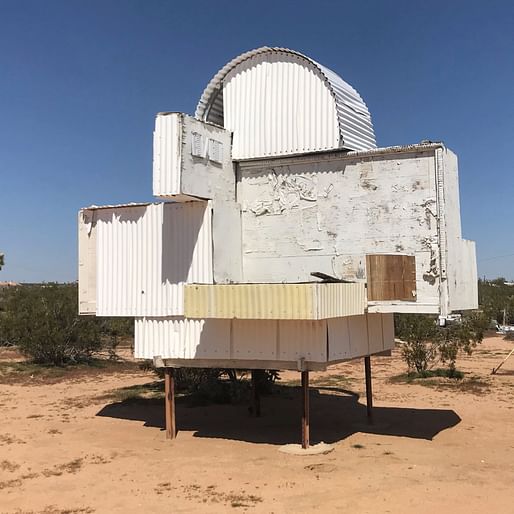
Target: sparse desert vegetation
89, 438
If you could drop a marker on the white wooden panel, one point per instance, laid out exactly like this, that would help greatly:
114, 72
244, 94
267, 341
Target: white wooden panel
192, 159
254, 339
338, 339
303, 339
87, 263
388, 331
375, 333
358, 330
325, 214
461, 267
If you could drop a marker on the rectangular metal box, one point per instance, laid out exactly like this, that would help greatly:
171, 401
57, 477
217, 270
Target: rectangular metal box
135, 259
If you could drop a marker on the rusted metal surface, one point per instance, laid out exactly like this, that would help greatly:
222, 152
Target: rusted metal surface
369, 391
305, 410
169, 402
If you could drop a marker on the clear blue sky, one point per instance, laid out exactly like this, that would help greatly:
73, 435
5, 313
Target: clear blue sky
81, 81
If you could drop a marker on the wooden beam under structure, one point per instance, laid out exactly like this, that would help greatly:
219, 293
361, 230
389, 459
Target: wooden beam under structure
369, 391
169, 402
305, 410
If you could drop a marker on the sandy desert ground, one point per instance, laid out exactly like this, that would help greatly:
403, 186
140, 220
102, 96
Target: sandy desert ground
69, 445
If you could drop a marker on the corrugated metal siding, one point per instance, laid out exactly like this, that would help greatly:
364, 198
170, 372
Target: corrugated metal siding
278, 101
274, 106
277, 341
337, 300
274, 301
180, 338
146, 254
266, 340
357, 336
167, 148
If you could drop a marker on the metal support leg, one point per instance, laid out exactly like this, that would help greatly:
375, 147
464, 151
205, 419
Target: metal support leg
169, 402
305, 413
369, 392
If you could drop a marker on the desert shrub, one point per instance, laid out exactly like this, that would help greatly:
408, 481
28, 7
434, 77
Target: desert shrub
113, 330
43, 321
461, 337
425, 342
216, 385
419, 340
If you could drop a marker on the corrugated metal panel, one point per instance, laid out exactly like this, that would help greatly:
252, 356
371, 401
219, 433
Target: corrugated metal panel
146, 254
337, 300
278, 101
274, 301
275, 106
167, 148
231, 340
271, 341
303, 340
358, 336
180, 338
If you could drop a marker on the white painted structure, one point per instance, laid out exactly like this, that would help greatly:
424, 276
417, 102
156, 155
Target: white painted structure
135, 259
278, 101
326, 212
277, 178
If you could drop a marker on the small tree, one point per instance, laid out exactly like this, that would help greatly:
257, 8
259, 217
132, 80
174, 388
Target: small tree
43, 322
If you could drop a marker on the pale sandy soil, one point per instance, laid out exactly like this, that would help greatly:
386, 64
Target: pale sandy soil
64, 448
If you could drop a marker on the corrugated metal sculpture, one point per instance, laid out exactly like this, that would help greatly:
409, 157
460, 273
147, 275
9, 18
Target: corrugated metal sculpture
286, 239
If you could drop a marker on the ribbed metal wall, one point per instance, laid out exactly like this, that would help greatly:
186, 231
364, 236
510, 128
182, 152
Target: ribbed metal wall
275, 106
278, 101
167, 148
146, 254
263, 340
180, 338
274, 301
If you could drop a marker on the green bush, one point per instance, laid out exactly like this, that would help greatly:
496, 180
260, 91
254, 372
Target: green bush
425, 342
43, 321
420, 340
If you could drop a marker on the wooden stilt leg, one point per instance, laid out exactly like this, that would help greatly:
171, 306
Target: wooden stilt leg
256, 397
369, 392
305, 413
169, 402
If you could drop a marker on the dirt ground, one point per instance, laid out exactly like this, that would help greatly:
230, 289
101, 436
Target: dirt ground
72, 445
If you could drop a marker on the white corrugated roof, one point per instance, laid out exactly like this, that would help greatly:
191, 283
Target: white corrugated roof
354, 120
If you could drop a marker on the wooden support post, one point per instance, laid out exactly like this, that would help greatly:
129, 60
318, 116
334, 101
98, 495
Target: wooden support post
169, 402
369, 392
305, 412
256, 397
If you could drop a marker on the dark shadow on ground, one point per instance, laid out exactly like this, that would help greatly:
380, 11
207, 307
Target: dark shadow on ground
335, 414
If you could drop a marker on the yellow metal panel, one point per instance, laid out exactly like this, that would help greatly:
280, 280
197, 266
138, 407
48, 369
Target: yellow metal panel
274, 301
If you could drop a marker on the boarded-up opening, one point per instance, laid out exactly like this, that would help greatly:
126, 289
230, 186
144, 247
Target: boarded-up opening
391, 277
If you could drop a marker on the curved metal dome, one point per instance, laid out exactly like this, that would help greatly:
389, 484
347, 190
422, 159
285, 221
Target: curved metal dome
345, 109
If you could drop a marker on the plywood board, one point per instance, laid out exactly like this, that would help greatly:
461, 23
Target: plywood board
391, 277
